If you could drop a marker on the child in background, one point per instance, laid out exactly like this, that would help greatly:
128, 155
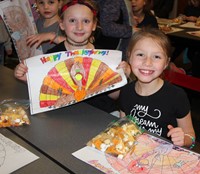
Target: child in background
157, 106
78, 21
142, 14
49, 33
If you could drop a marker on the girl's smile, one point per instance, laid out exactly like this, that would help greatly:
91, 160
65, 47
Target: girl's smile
78, 23
148, 60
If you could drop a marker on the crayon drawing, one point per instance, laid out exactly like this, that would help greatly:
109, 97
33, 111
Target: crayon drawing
72, 76
17, 16
151, 155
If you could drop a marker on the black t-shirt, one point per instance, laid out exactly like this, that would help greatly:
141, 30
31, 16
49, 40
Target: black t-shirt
156, 111
148, 21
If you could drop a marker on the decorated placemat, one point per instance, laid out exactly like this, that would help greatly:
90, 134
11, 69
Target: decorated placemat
124, 148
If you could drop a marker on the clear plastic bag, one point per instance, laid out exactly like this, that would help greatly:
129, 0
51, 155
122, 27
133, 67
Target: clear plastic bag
118, 139
13, 112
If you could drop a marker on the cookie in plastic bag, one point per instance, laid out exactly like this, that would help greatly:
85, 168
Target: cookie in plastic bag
13, 113
118, 139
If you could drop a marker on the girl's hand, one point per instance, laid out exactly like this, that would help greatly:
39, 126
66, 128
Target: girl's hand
20, 72
176, 134
126, 67
38, 39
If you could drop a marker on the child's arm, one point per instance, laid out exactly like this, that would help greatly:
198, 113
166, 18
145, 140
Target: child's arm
57, 39
184, 134
20, 72
38, 39
114, 95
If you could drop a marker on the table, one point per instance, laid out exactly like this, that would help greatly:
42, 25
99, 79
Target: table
59, 133
56, 134
181, 40
181, 37
183, 34
42, 165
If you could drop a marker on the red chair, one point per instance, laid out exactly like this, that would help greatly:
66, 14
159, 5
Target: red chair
182, 80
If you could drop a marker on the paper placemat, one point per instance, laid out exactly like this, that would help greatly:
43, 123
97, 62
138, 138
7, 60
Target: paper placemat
173, 29
13, 156
189, 25
194, 33
150, 155
164, 21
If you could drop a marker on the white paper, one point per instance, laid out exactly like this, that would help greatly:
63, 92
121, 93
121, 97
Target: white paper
13, 156
95, 158
194, 33
173, 29
57, 65
164, 21
190, 25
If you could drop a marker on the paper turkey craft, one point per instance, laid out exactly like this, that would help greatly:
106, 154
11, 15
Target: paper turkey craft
76, 79
64, 78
